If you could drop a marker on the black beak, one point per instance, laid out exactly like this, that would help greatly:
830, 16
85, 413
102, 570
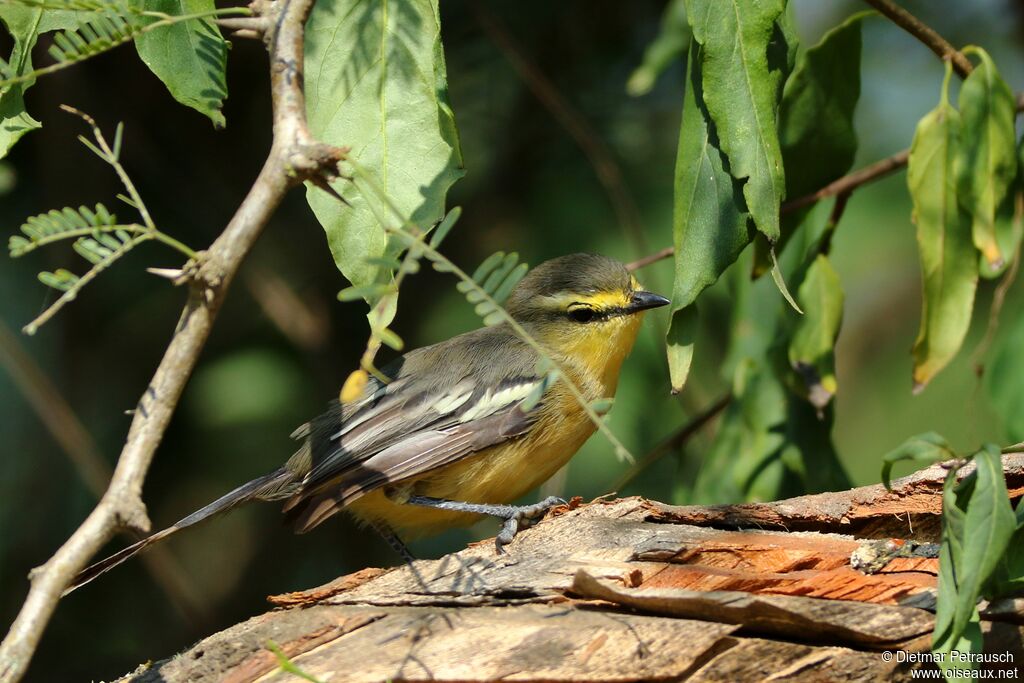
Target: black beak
641, 301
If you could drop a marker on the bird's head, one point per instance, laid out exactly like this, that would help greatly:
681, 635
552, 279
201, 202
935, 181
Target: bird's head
583, 306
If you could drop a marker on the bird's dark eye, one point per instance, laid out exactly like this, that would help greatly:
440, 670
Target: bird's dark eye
581, 314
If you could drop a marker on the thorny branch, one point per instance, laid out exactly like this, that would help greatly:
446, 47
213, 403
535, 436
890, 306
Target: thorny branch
294, 157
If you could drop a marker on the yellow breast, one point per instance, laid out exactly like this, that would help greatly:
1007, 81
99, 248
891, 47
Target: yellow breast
505, 472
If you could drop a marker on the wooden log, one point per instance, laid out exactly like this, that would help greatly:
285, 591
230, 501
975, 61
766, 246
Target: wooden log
624, 590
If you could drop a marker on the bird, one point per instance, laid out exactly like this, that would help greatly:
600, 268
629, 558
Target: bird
450, 432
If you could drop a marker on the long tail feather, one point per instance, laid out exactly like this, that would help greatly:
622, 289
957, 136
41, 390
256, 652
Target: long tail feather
274, 486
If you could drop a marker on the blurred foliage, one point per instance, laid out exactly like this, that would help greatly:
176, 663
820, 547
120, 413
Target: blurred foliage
530, 188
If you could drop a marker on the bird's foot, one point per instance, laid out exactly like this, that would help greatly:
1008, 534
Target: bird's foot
523, 517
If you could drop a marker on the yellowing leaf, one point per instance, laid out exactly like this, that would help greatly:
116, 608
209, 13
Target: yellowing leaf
949, 261
987, 159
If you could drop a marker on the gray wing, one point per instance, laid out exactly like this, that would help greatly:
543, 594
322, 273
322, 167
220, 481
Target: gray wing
444, 403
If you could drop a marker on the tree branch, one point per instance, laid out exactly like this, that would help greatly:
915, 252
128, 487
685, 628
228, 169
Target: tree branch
924, 33
845, 185
294, 157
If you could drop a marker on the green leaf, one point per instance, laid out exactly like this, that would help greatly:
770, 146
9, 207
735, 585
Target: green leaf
1009, 230
985, 529
189, 57
391, 339
25, 24
376, 83
742, 94
670, 44
445, 226
987, 159
949, 262
924, 449
950, 554
367, 292
710, 223
811, 348
816, 131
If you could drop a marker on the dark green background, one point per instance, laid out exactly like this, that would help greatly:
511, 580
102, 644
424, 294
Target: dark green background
528, 188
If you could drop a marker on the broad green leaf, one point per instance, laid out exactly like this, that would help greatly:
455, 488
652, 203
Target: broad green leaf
924, 449
987, 159
816, 131
189, 57
949, 262
988, 523
811, 348
669, 44
1004, 378
25, 24
710, 223
742, 95
376, 83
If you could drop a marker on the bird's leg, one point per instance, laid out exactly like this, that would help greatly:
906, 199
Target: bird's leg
396, 543
516, 517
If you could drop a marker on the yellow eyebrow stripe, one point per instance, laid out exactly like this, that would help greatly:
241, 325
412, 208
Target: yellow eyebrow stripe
604, 300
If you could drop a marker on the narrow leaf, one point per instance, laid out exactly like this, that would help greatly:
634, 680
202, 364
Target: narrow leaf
742, 94
368, 292
445, 226
190, 57
988, 525
375, 82
502, 293
710, 223
949, 262
987, 159
488, 265
816, 129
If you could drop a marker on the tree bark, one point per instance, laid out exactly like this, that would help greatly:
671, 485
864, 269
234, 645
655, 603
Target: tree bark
628, 589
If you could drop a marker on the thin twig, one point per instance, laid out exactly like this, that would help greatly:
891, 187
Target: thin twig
294, 157
673, 442
850, 182
651, 258
924, 33
73, 438
600, 157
